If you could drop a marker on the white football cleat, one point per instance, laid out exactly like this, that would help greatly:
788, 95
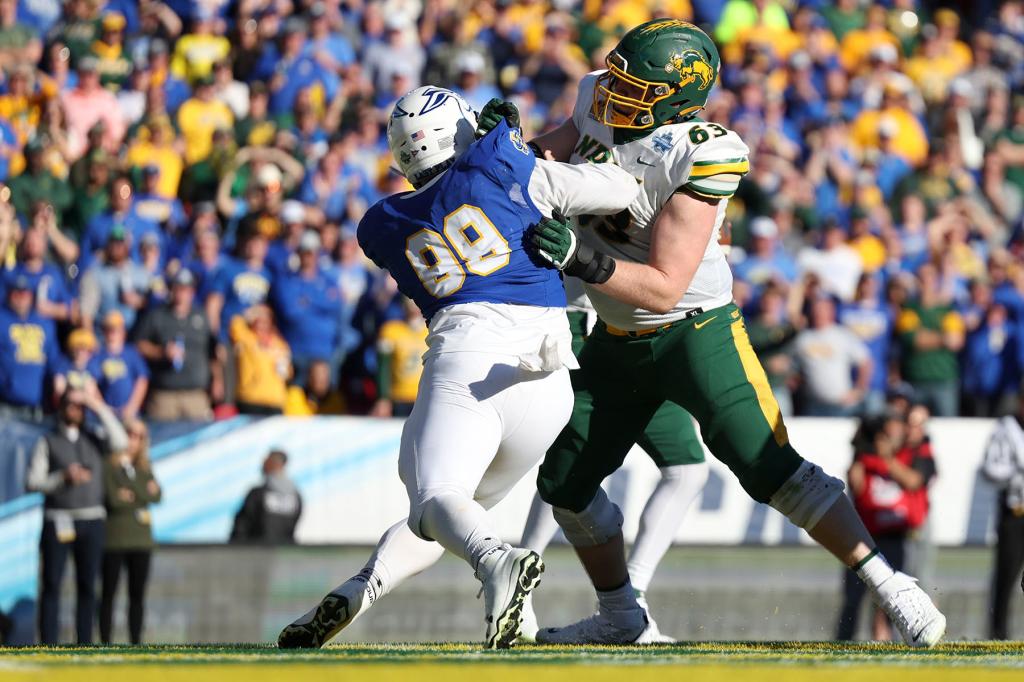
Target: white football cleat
508, 578
334, 612
528, 623
911, 611
625, 627
653, 634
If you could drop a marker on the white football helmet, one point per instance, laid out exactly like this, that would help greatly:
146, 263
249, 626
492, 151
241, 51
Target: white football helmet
429, 128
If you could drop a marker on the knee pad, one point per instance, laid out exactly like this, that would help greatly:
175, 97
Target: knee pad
807, 495
598, 523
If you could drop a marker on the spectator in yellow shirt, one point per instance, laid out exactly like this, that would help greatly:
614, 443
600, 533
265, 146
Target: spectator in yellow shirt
948, 23
908, 138
857, 44
934, 66
156, 146
400, 348
197, 52
869, 247
201, 116
263, 361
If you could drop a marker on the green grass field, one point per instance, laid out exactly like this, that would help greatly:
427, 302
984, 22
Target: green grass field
692, 661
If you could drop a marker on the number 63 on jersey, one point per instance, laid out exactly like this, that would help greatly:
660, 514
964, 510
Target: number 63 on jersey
468, 244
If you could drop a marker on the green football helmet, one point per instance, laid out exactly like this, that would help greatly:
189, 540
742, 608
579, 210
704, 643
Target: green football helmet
661, 72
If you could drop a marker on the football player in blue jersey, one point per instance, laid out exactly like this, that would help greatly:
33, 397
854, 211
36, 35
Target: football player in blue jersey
495, 389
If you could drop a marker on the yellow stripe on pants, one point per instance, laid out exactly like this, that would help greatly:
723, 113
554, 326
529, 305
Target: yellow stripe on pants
759, 380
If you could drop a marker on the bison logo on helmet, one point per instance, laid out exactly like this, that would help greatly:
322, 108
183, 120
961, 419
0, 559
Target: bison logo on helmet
692, 68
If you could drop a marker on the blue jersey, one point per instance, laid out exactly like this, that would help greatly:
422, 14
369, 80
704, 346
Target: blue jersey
28, 355
117, 374
460, 238
242, 288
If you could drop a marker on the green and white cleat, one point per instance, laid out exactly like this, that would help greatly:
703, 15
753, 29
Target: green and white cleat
508, 577
332, 615
911, 611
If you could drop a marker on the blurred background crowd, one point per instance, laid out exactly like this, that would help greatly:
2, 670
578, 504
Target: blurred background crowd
182, 180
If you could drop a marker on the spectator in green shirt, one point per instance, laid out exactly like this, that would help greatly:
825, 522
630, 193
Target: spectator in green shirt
843, 17
932, 333
37, 183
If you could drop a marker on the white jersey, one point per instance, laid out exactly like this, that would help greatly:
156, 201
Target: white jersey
704, 158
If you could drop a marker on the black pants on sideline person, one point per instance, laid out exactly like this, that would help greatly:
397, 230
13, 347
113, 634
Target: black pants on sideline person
894, 548
137, 564
87, 551
1009, 560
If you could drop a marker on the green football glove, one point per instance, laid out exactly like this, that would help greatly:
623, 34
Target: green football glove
554, 241
492, 114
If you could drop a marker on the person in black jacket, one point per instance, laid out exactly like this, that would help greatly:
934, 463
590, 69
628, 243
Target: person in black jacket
271, 510
67, 467
1004, 467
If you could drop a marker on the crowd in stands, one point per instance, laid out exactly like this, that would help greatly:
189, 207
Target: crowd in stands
181, 181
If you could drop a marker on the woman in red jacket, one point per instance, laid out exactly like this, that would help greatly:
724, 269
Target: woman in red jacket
889, 484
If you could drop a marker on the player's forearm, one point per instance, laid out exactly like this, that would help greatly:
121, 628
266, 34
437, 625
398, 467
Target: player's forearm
644, 286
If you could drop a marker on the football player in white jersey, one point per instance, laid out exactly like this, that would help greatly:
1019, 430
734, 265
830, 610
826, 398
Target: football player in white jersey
669, 331
495, 387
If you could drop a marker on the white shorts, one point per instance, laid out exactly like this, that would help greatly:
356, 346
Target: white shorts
480, 423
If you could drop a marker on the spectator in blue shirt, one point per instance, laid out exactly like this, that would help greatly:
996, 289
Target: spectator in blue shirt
115, 283
990, 375
470, 66
121, 214
871, 320
150, 206
52, 295
28, 353
330, 49
293, 72
205, 261
282, 254
309, 308
766, 262
122, 374
354, 281
182, 247
890, 167
239, 285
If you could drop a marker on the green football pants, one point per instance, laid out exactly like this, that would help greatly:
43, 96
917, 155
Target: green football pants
669, 438
704, 365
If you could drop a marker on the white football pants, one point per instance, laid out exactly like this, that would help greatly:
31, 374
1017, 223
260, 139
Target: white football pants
479, 425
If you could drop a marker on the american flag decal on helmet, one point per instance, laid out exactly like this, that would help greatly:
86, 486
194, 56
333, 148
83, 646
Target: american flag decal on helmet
418, 135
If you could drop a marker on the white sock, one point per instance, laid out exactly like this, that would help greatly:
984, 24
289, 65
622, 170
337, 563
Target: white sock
620, 599
399, 555
672, 497
460, 525
875, 571
540, 526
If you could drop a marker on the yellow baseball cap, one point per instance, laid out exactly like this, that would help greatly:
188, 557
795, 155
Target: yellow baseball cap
82, 339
